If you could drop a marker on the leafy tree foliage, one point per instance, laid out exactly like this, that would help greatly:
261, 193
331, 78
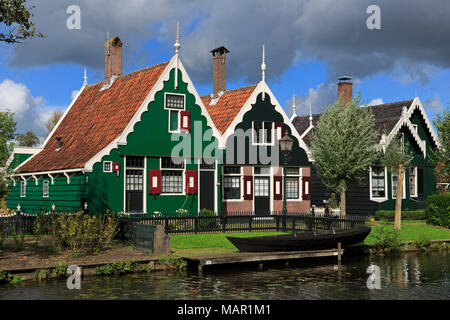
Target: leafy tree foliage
396, 159
7, 133
53, 120
442, 124
28, 139
343, 146
15, 16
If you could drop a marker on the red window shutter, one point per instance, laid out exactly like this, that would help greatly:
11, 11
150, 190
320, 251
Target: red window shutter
116, 167
279, 130
191, 182
277, 188
248, 188
154, 181
185, 121
306, 188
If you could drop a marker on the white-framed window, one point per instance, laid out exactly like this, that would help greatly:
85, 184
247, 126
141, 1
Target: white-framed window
107, 166
261, 171
172, 175
293, 186
263, 133
231, 184
378, 184
394, 185
45, 189
174, 103
23, 188
413, 181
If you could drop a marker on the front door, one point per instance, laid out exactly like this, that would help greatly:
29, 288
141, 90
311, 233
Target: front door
262, 196
207, 189
134, 190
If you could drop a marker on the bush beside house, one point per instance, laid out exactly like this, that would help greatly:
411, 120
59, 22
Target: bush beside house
438, 210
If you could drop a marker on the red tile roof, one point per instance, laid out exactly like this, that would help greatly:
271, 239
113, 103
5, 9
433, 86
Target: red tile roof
228, 106
95, 120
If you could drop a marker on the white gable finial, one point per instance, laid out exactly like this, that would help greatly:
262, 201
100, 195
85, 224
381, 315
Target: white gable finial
310, 113
293, 106
85, 78
177, 48
177, 43
263, 64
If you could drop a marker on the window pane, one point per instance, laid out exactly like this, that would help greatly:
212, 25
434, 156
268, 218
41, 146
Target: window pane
292, 171
173, 120
174, 101
258, 132
292, 188
232, 187
268, 132
231, 170
135, 162
412, 181
261, 187
172, 181
378, 182
172, 163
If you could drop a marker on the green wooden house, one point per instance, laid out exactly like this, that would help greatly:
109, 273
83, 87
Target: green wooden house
251, 122
133, 143
405, 119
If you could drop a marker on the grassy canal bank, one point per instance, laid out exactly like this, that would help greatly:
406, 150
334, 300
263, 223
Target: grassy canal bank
39, 259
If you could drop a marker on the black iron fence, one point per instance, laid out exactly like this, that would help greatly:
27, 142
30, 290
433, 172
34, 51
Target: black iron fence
230, 222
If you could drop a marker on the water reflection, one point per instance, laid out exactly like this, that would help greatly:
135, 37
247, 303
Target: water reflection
409, 276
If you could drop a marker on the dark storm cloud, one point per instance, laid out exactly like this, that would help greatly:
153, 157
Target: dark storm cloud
412, 42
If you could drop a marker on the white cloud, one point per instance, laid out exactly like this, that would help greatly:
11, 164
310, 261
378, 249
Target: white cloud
74, 94
376, 102
30, 113
434, 104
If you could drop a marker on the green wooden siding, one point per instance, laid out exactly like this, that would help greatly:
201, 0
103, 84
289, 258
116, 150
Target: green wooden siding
151, 138
18, 159
264, 110
65, 197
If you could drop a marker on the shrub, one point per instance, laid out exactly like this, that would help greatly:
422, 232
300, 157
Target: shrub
117, 268
423, 242
78, 231
387, 240
206, 223
60, 270
406, 215
438, 209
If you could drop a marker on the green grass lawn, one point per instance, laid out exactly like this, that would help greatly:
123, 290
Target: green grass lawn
188, 244
412, 230
193, 244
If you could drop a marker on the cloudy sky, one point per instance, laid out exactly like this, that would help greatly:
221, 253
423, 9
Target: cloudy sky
308, 44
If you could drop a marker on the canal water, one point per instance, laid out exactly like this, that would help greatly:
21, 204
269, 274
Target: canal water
408, 276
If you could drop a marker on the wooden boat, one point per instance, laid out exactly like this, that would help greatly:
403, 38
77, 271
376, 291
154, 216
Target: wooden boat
301, 241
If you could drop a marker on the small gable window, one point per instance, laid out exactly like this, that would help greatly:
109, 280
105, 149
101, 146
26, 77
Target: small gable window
175, 101
263, 133
175, 104
378, 183
107, 166
45, 189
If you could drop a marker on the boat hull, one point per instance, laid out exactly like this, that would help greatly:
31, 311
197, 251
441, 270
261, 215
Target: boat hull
301, 241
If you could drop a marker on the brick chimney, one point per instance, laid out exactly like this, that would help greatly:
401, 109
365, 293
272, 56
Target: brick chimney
113, 58
219, 67
345, 90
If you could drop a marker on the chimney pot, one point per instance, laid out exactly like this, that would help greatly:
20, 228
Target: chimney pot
219, 69
113, 58
345, 90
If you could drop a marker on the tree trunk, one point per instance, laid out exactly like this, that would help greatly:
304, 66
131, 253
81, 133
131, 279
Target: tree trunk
343, 204
398, 201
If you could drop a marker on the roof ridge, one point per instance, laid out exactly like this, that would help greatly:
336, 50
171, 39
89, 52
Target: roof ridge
232, 90
131, 73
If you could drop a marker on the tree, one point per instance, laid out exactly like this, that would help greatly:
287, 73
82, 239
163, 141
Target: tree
396, 159
442, 124
53, 120
16, 17
343, 146
29, 139
7, 133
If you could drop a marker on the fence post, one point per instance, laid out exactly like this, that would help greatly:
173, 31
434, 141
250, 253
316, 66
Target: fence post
250, 223
19, 221
195, 224
166, 225
277, 223
293, 224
